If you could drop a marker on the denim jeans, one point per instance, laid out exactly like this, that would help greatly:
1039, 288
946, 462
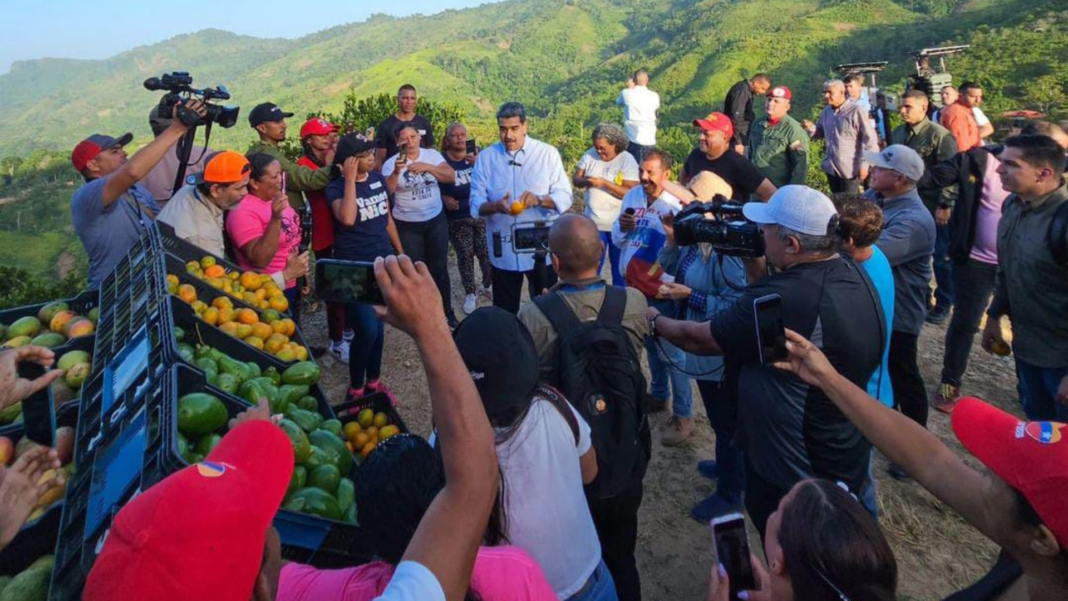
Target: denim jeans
428, 241
613, 256
365, 352
722, 409
662, 372
600, 587
973, 285
1038, 390
867, 496
943, 269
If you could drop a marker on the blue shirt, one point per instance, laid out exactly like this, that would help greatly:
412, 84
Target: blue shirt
460, 189
368, 238
908, 241
882, 276
108, 233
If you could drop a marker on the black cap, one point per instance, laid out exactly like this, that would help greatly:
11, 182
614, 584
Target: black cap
266, 112
501, 356
351, 145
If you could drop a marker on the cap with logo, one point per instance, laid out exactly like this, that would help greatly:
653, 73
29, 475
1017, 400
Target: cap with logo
897, 157
1031, 457
351, 145
226, 167
780, 92
716, 122
87, 149
799, 208
500, 354
317, 127
199, 533
266, 112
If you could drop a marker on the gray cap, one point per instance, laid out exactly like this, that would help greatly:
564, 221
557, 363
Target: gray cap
799, 208
900, 158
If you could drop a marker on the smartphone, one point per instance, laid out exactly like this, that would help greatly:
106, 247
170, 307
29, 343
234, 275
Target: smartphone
402, 151
347, 282
531, 238
38, 412
471, 148
732, 550
771, 332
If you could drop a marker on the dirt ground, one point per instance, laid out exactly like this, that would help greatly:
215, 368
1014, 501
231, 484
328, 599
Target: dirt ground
937, 553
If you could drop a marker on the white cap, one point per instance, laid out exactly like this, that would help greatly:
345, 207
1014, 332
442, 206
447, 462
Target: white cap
900, 158
798, 208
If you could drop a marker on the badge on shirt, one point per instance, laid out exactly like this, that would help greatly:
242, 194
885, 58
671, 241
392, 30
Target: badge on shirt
376, 185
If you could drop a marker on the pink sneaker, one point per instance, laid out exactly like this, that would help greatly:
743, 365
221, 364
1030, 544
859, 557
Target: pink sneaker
378, 386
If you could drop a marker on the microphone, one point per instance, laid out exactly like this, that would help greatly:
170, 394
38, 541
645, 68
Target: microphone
512, 163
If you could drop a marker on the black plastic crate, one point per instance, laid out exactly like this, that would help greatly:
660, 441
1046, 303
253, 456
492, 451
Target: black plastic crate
187, 251
377, 402
81, 304
38, 537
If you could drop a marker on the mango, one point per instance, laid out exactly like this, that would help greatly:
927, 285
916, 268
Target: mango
25, 326
49, 340
47, 312
7, 450
64, 444
62, 392
76, 375
72, 358
79, 326
94, 315
60, 321
17, 341
199, 414
31, 584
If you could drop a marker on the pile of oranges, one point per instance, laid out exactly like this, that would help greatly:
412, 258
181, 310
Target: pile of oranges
269, 332
256, 289
369, 428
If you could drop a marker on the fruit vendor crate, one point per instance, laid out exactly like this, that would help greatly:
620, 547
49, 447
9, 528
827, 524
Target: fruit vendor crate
187, 251
81, 304
377, 402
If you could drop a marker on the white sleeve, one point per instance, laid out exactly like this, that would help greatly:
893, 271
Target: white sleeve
434, 157
388, 165
980, 117
630, 168
412, 582
585, 442
584, 162
479, 184
560, 186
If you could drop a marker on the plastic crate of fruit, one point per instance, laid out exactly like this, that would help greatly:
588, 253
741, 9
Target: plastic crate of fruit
76, 359
56, 324
187, 251
246, 289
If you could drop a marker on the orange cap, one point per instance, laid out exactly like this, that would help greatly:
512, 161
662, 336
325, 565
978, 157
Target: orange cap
224, 167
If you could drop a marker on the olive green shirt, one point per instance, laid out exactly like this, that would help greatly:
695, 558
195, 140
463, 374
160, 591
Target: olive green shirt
934, 144
299, 178
780, 151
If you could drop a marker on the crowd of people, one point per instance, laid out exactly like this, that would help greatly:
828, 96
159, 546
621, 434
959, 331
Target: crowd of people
531, 484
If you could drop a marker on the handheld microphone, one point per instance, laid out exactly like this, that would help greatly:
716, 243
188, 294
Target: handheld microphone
512, 163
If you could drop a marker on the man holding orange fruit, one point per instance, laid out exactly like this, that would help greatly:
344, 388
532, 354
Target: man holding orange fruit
516, 181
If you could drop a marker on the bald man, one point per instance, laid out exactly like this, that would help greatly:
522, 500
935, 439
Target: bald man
576, 250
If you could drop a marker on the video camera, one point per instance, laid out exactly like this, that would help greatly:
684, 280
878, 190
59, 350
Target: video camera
179, 86
729, 233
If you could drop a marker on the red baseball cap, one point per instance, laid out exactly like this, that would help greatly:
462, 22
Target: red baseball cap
87, 149
1031, 457
317, 127
780, 92
716, 122
199, 533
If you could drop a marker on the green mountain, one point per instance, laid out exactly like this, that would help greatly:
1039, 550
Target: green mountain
563, 58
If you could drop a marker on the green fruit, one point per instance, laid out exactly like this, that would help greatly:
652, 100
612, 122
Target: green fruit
32, 583
25, 326
49, 340
318, 502
332, 426
309, 421
272, 373
17, 341
76, 375
206, 363
227, 383
291, 393
4, 581
254, 369
334, 448
200, 413
350, 515
303, 372
326, 477
94, 315
9, 413
72, 358
308, 403
186, 352
179, 334
346, 494
237, 368
299, 440
317, 458
61, 392
192, 457
207, 443
183, 445
297, 480
49, 311
294, 505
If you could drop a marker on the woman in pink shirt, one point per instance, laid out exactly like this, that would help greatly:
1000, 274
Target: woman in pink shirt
264, 228
396, 486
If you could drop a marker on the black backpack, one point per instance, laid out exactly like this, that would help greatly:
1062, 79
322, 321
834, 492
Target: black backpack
599, 372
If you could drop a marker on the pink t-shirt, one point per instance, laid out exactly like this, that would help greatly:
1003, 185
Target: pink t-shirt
500, 574
249, 221
992, 195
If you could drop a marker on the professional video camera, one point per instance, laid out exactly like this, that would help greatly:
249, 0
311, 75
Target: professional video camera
930, 79
179, 86
729, 232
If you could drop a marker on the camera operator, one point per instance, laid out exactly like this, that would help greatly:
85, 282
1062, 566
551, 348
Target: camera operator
269, 121
111, 211
160, 180
789, 430
706, 284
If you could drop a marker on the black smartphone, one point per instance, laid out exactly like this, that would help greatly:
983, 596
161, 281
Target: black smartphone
402, 151
471, 148
732, 550
347, 282
771, 333
532, 238
38, 412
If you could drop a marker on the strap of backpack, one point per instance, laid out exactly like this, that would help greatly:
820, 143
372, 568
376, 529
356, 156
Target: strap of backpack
615, 303
558, 401
562, 318
1058, 232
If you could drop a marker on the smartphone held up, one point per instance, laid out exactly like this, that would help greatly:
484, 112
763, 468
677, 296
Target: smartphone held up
347, 282
732, 550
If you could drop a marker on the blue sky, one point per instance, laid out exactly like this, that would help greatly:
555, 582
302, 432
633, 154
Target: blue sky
97, 29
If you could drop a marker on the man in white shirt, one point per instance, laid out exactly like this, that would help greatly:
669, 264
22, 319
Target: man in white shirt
519, 180
640, 108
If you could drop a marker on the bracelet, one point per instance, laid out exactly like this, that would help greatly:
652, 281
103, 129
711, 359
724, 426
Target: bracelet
652, 324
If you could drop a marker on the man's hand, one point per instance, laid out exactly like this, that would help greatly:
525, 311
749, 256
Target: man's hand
195, 106
806, 361
413, 304
504, 205
261, 412
279, 204
296, 266
673, 291
942, 215
809, 126
530, 200
740, 149
864, 173
627, 222
450, 203
22, 484
992, 335
350, 169
14, 389
1062, 391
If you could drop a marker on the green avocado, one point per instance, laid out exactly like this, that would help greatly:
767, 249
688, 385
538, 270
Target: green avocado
318, 502
31, 584
207, 443
308, 403
200, 413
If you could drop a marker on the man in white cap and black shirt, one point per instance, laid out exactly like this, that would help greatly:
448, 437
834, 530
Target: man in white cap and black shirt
907, 240
789, 430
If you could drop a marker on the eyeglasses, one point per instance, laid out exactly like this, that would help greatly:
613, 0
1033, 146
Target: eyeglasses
841, 596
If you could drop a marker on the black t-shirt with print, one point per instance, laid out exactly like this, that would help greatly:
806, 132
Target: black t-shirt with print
736, 170
387, 134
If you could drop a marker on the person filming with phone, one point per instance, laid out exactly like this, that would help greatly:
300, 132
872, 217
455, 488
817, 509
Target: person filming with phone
788, 430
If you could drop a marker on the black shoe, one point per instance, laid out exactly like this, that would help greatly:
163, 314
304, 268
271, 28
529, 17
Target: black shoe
714, 506
937, 316
897, 472
317, 351
709, 469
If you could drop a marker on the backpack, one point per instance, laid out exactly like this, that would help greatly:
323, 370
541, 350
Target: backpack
598, 370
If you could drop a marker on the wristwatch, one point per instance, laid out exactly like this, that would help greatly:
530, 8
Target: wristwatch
652, 324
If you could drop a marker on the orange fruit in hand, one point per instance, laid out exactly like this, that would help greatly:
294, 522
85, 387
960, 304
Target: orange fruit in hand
280, 303
187, 293
247, 316
250, 280
517, 208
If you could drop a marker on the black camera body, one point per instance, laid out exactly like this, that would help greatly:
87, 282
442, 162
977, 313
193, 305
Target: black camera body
179, 86
729, 233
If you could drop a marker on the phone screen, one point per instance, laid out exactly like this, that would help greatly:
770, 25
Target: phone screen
471, 148
771, 333
531, 238
38, 413
402, 151
732, 550
347, 281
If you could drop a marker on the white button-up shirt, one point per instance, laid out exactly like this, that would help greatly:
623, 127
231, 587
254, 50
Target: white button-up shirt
535, 168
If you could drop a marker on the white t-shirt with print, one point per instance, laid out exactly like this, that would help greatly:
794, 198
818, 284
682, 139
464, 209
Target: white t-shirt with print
418, 197
601, 205
544, 501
